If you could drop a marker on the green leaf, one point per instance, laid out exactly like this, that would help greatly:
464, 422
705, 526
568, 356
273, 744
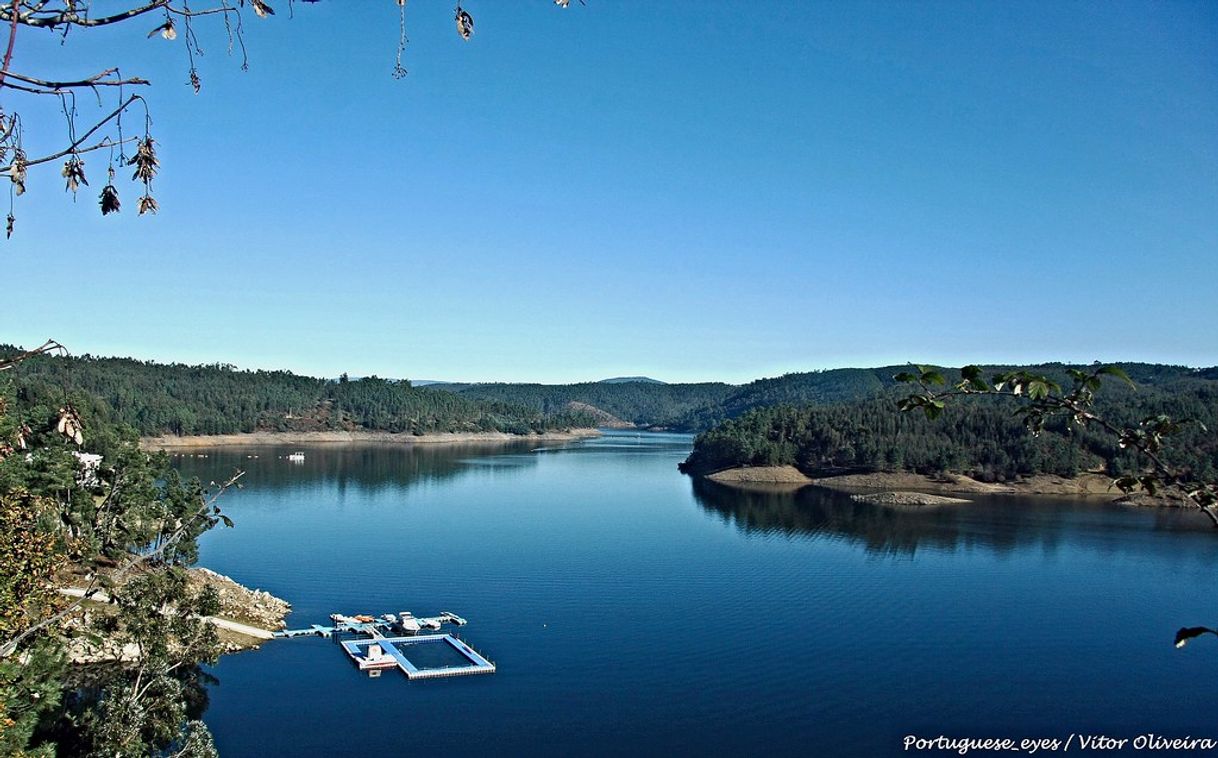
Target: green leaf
1150, 484
933, 377
1126, 484
906, 377
1118, 372
971, 379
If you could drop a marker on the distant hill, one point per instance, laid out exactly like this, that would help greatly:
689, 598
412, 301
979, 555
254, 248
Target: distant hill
157, 398
641, 403
602, 419
815, 387
218, 399
698, 407
628, 379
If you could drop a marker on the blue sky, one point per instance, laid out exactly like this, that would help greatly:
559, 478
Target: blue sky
687, 190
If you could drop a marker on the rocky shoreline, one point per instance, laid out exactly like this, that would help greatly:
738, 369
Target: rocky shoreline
247, 618
253, 608
789, 478
906, 499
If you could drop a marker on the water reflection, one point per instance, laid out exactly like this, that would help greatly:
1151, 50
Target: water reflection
368, 466
997, 523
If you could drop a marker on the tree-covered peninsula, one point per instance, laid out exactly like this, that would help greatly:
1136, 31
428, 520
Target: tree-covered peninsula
979, 436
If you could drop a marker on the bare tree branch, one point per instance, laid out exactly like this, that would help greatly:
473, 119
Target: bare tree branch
205, 510
12, 37
70, 16
73, 148
46, 347
97, 80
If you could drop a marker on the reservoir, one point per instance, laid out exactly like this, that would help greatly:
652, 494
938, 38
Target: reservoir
631, 609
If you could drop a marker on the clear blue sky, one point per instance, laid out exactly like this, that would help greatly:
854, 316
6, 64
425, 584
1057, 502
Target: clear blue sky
688, 190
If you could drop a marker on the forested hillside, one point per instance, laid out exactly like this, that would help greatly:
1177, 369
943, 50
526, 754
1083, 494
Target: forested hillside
814, 387
689, 407
178, 399
836, 419
643, 402
977, 436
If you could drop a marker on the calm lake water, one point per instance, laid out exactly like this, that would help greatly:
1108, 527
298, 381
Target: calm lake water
631, 609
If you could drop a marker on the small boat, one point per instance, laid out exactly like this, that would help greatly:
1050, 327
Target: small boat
408, 623
452, 618
296, 457
429, 623
364, 618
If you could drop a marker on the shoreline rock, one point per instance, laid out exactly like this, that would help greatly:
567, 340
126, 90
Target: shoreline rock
761, 475
906, 499
1089, 485
246, 619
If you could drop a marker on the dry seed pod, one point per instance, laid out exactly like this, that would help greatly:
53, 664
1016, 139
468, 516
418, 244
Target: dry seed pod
69, 425
16, 172
145, 161
109, 200
465, 23
167, 30
74, 172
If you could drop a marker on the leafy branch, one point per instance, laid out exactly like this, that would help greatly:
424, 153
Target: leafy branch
174, 533
1042, 399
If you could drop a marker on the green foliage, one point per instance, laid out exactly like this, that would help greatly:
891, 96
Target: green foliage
1187, 468
147, 704
126, 524
810, 388
30, 687
976, 434
643, 403
188, 400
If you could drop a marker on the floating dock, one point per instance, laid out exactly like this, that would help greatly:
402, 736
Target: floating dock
389, 648
373, 651
349, 624
317, 630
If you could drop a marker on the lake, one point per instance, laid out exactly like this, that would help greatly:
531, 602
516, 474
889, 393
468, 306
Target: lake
631, 609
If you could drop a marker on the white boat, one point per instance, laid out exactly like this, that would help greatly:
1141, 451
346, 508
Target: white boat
408, 623
296, 457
